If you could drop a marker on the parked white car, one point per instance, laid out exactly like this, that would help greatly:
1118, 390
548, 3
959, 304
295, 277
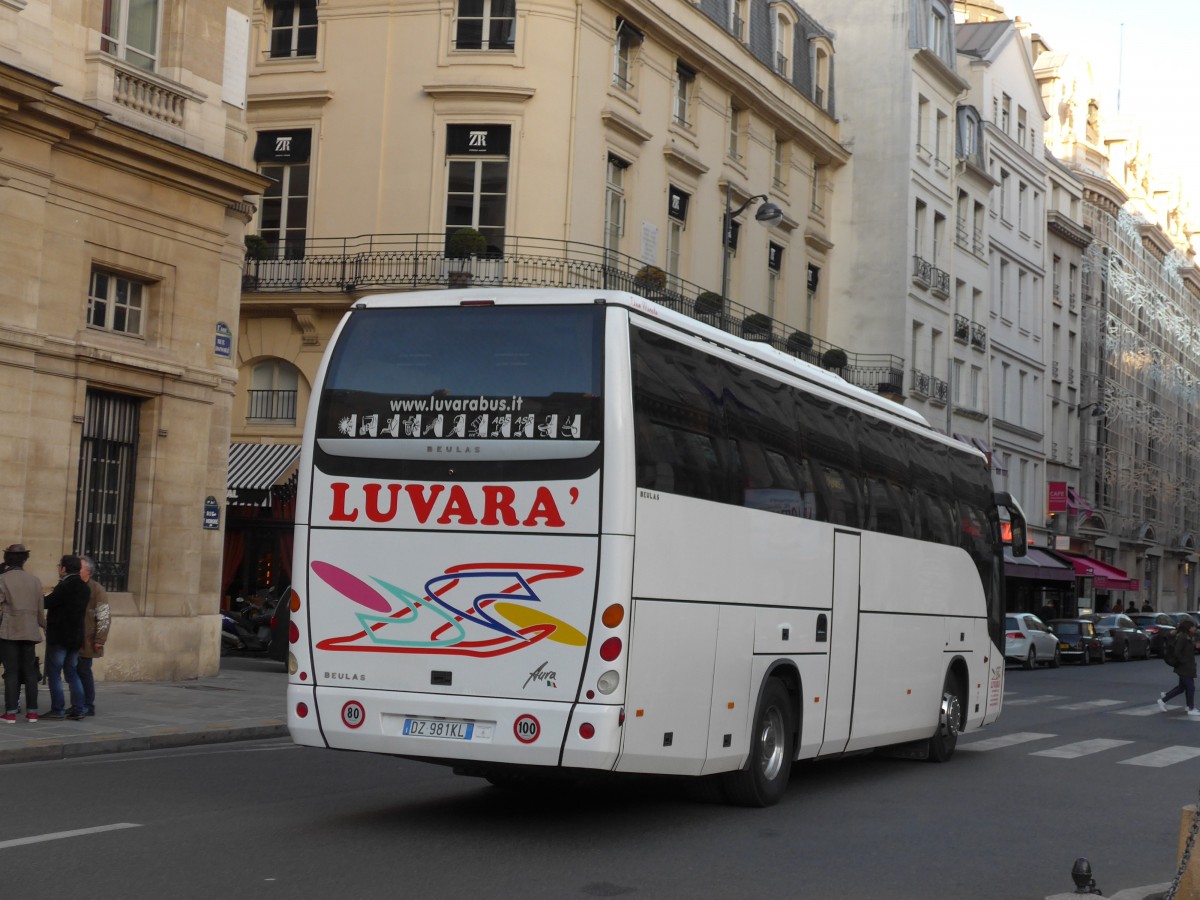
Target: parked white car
1029, 641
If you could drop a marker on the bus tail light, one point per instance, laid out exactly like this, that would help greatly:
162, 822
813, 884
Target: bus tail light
608, 682
587, 731
610, 649
302, 710
293, 633
613, 616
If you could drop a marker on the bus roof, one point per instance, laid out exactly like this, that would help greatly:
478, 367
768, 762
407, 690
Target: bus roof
772, 357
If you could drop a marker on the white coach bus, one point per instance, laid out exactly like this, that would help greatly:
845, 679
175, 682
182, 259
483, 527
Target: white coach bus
573, 530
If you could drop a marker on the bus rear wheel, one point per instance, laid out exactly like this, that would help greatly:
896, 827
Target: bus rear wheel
764, 779
945, 739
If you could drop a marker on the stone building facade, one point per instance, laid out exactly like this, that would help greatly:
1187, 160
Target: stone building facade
123, 205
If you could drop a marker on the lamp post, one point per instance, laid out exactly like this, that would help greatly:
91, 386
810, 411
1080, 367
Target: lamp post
768, 214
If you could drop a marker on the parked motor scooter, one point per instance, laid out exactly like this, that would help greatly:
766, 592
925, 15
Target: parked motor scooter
248, 632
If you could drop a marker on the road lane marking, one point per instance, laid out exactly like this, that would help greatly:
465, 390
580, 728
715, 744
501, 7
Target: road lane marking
1080, 748
1168, 756
1151, 710
1041, 698
1091, 704
59, 835
1004, 740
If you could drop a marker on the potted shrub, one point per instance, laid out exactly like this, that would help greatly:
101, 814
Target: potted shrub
650, 280
834, 358
799, 343
257, 249
756, 326
464, 244
709, 303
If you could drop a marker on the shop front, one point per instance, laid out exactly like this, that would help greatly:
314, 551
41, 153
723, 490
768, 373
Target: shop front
1040, 583
1102, 586
260, 517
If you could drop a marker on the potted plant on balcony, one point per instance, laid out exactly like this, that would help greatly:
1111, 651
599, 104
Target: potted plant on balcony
650, 281
834, 359
709, 305
756, 327
463, 246
799, 343
257, 249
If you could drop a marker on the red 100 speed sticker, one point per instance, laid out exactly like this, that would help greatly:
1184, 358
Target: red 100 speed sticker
353, 714
527, 729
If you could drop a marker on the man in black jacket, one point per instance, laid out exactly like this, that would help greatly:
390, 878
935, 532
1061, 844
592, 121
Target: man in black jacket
66, 607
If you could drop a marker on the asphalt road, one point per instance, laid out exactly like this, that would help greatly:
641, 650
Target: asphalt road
1004, 819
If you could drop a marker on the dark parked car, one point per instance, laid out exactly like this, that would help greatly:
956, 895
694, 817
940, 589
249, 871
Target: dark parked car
1180, 616
1121, 637
1161, 628
1077, 640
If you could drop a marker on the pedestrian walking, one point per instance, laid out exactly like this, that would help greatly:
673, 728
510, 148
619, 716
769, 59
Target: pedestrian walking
1181, 656
21, 623
66, 608
1147, 606
95, 632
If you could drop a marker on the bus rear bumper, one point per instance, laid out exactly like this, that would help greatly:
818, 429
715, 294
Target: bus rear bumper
468, 729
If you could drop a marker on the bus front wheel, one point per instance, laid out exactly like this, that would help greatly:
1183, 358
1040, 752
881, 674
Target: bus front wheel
764, 779
945, 739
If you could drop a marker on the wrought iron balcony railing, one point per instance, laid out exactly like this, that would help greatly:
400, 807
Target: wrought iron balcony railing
419, 261
962, 328
272, 406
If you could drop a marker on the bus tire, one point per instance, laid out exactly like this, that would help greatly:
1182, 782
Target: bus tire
764, 779
945, 739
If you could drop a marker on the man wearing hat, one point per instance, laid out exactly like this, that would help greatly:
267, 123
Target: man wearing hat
21, 623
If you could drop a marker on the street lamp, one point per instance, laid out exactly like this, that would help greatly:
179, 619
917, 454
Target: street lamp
768, 214
1096, 407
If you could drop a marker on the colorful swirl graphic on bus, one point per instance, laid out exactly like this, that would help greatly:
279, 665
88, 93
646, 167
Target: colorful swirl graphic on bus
474, 609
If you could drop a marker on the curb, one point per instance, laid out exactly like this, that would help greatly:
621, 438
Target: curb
128, 744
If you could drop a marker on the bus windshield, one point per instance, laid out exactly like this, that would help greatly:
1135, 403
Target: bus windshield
497, 374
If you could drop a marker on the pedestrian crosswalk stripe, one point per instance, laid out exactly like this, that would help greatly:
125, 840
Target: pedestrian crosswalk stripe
1168, 756
1004, 740
1091, 704
1042, 698
1151, 710
1081, 748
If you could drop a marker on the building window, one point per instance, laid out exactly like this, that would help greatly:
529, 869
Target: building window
477, 181
736, 121
1004, 195
131, 29
685, 83
293, 28
818, 188
104, 497
614, 203
116, 303
677, 207
283, 157
937, 31
486, 25
821, 77
273, 386
774, 276
1006, 113
810, 299
779, 163
625, 49
283, 217
739, 14
784, 32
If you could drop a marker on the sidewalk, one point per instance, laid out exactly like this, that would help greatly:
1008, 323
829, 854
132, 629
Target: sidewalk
244, 702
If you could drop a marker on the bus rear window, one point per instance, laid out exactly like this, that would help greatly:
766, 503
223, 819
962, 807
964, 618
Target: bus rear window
488, 372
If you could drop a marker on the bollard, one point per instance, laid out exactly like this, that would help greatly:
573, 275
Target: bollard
1189, 883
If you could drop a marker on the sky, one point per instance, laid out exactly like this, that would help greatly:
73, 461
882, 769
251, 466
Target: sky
1148, 50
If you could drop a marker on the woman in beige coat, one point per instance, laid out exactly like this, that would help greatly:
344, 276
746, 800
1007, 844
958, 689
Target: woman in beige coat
21, 622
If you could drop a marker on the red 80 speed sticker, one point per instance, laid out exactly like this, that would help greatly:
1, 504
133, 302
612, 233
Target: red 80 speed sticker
527, 729
353, 714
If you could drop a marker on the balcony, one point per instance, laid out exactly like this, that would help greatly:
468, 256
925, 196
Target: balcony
409, 262
978, 335
272, 406
962, 328
927, 275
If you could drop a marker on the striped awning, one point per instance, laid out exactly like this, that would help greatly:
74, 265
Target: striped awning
256, 468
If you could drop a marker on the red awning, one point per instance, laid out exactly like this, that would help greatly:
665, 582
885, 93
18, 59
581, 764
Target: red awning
1107, 578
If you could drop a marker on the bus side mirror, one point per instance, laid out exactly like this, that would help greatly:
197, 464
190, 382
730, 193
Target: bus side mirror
1016, 518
